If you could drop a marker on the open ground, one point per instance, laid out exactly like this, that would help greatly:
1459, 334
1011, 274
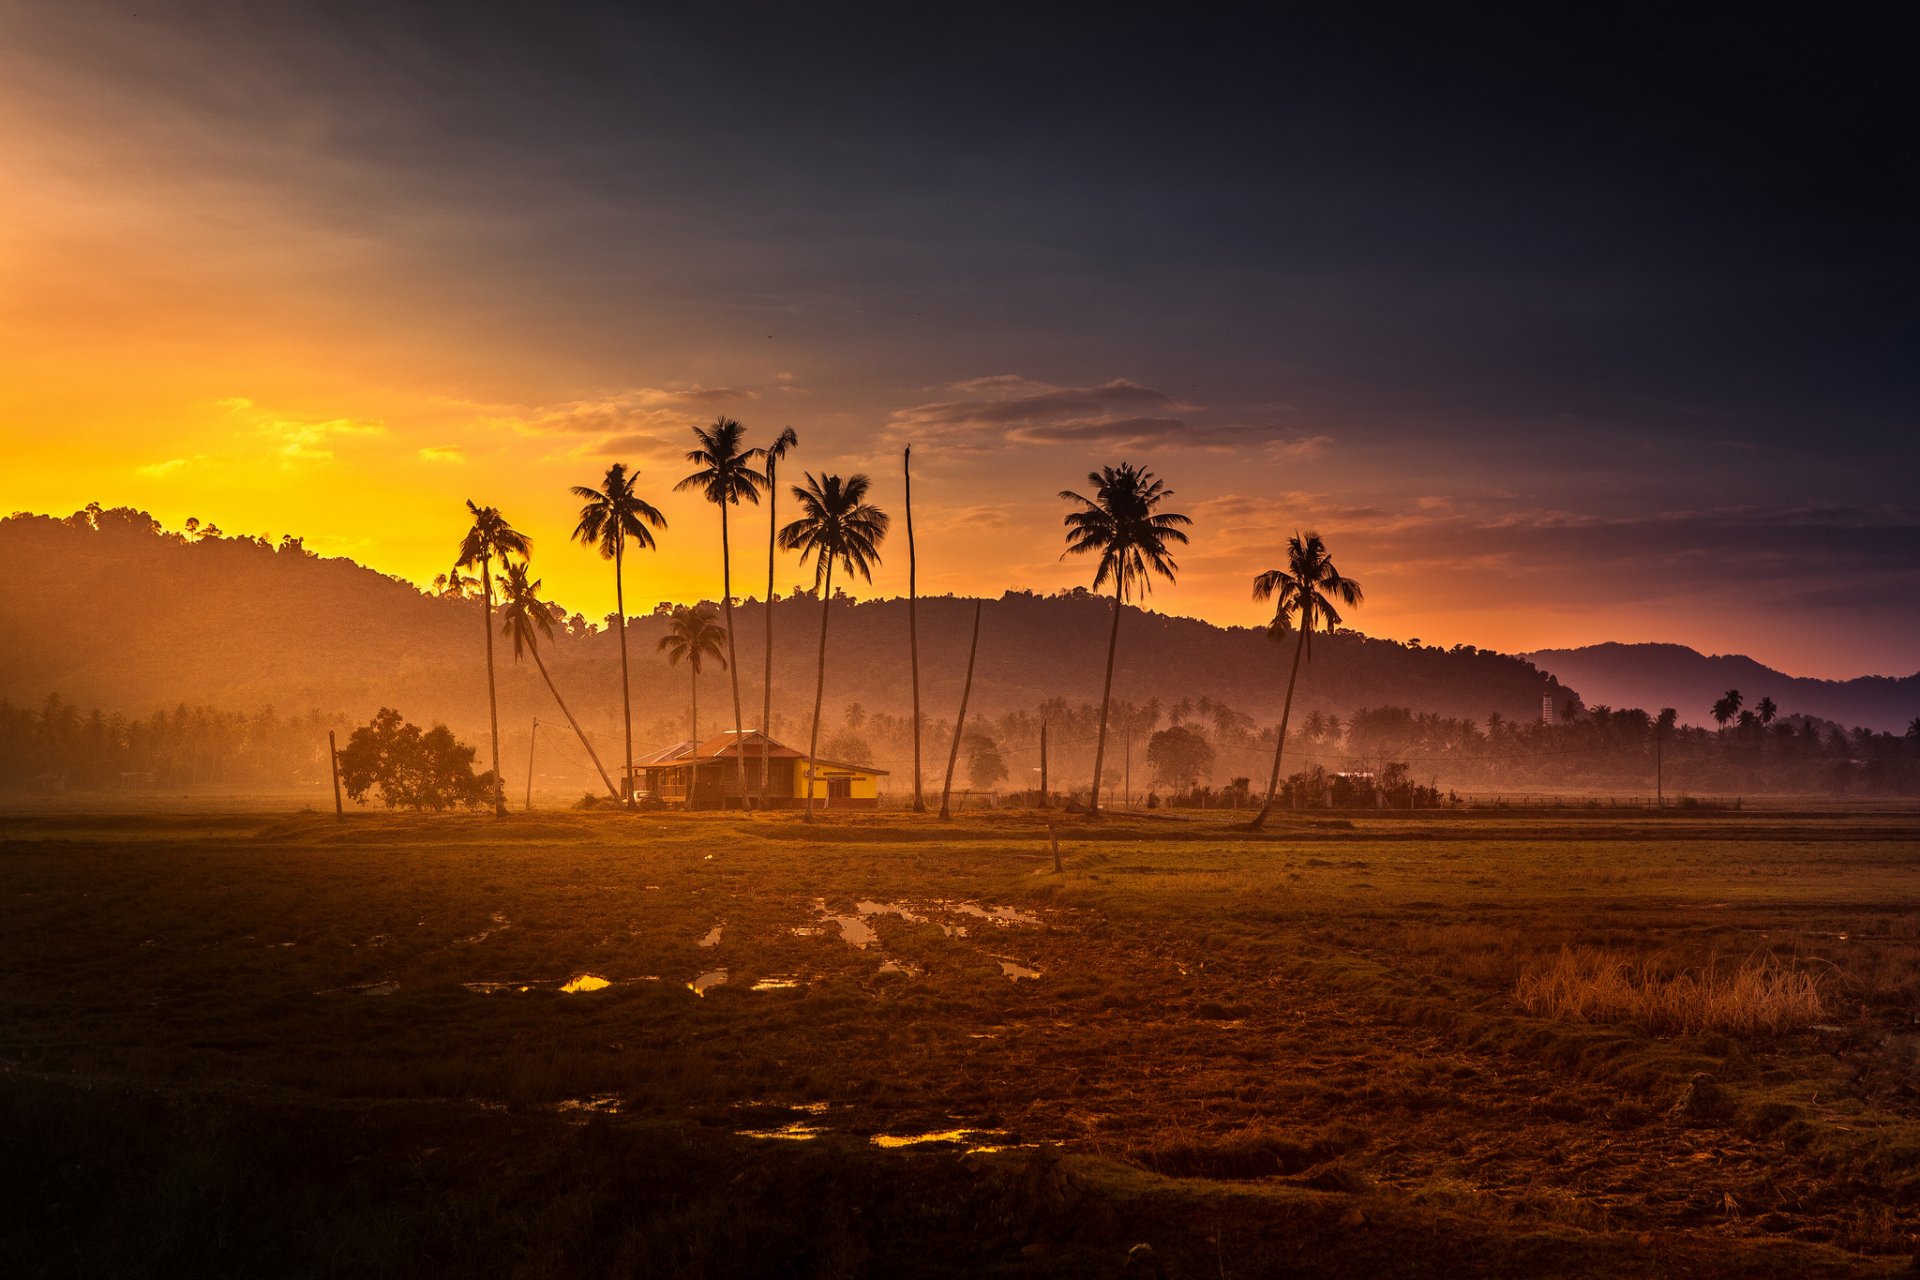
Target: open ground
1498, 1043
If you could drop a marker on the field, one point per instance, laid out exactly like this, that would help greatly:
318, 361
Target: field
1499, 1043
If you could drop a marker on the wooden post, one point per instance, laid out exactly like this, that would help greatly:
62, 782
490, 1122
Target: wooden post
333, 760
532, 738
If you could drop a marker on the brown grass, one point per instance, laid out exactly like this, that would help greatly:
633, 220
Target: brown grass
1763, 996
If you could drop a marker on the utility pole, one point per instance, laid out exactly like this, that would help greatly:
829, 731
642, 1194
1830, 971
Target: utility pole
333, 760
1126, 801
532, 738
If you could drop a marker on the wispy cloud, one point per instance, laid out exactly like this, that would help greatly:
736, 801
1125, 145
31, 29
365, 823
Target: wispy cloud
449, 453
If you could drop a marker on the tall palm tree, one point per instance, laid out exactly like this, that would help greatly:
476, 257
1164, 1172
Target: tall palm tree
613, 516
1765, 711
1727, 707
913, 641
726, 478
693, 637
526, 617
1304, 593
1120, 522
775, 452
491, 536
837, 525
960, 721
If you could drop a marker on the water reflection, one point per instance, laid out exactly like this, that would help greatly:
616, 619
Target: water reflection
585, 982
711, 978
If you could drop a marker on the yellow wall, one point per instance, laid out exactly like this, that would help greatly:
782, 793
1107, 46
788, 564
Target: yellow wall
866, 786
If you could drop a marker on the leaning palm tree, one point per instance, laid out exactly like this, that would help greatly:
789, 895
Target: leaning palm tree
1304, 593
693, 637
613, 516
491, 536
726, 478
775, 452
836, 525
1121, 524
526, 617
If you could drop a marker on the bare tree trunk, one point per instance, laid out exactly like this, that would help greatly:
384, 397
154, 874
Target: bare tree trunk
578, 731
960, 723
913, 643
493, 702
626, 689
1046, 796
819, 688
733, 665
766, 685
1286, 711
1106, 696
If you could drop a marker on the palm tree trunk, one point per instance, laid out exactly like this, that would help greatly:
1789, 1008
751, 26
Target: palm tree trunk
766, 684
733, 664
819, 688
960, 723
1286, 710
913, 644
493, 701
626, 689
578, 732
1106, 696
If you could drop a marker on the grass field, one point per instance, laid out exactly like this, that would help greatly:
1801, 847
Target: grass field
1497, 1043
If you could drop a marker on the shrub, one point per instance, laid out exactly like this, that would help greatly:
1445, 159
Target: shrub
411, 769
1762, 996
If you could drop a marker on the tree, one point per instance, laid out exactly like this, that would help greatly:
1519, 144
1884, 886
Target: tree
693, 637
1179, 756
776, 452
490, 537
614, 515
913, 641
1765, 710
411, 769
837, 525
726, 478
1304, 593
1122, 525
1727, 707
960, 722
526, 619
1913, 729
984, 763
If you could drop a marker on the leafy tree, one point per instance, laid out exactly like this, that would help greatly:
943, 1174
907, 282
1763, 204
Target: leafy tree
1179, 757
837, 525
614, 515
1121, 524
490, 538
1304, 593
984, 763
526, 619
775, 454
693, 637
411, 769
726, 478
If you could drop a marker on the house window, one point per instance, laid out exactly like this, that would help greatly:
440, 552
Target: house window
839, 788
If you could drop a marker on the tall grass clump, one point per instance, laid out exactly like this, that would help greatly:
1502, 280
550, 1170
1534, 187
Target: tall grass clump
1763, 996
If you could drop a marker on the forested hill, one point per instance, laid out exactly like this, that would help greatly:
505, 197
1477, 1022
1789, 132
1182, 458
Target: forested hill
110, 611
1672, 675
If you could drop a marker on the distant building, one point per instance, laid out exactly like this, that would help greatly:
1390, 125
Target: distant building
690, 775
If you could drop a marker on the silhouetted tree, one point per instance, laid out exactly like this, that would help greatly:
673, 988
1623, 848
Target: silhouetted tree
411, 769
614, 515
1179, 756
1727, 707
526, 619
490, 537
1765, 711
836, 525
960, 721
1120, 523
913, 642
1306, 591
693, 637
726, 478
776, 452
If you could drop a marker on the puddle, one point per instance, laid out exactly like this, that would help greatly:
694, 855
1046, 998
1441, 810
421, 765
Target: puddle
854, 931
713, 937
867, 907
499, 922
939, 1137
362, 989
711, 978
585, 982
777, 982
792, 1131
904, 970
1017, 971
605, 1104
999, 915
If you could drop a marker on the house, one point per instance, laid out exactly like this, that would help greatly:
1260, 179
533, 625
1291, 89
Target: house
703, 775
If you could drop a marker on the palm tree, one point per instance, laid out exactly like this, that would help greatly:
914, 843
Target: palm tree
526, 618
1120, 523
960, 721
775, 452
726, 477
491, 536
1913, 730
913, 643
613, 516
1306, 591
1766, 710
693, 637
1727, 707
836, 525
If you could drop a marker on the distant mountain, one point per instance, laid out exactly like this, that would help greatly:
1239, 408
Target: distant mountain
1671, 675
114, 612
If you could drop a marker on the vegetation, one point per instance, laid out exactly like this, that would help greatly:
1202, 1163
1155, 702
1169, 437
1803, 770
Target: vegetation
776, 453
410, 769
526, 618
692, 638
491, 537
613, 516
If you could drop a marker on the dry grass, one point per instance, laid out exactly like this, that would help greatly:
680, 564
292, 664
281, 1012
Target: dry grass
1763, 996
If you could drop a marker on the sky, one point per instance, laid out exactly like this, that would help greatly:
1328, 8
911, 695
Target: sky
1560, 327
